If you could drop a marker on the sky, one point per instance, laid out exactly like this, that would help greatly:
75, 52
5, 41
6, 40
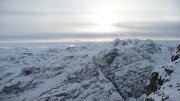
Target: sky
88, 20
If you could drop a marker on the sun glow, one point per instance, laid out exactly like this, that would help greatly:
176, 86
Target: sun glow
104, 19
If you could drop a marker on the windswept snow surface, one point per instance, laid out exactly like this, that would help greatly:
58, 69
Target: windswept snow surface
115, 71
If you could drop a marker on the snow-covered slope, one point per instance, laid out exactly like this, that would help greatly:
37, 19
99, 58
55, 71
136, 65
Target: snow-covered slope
164, 84
115, 71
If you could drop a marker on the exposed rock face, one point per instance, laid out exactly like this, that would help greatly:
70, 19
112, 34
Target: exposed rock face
176, 55
109, 72
164, 81
152, 86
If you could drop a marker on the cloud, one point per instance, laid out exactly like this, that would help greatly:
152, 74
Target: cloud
149, 25
56, 36
159, 28
148, 35
50, 19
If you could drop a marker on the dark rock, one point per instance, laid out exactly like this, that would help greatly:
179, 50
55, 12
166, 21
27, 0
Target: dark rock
176, 55
178, 48
152, 87
27, 71
160, 81
168, 71
149, 99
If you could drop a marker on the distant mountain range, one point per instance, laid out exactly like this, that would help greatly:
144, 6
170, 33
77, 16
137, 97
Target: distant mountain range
121, 70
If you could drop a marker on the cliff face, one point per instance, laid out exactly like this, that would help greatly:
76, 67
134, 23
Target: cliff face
164, 83
115, 71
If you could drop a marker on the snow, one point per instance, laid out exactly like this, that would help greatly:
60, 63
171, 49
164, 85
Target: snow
80, 71
171, 88
169, 73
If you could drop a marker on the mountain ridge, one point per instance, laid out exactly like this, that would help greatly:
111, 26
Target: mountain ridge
115, 71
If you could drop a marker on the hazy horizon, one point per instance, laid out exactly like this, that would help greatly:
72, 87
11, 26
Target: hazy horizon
88, 20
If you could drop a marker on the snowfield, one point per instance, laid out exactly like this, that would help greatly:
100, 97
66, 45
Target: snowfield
115, 71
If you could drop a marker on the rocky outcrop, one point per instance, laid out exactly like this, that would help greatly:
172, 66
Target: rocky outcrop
152, 86
164, 81
177, 54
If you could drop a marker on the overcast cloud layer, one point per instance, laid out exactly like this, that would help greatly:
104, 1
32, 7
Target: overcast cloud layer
89, 19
